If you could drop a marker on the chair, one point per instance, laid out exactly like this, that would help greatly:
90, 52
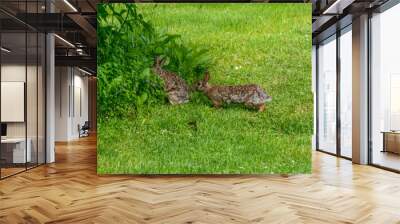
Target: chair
84, 130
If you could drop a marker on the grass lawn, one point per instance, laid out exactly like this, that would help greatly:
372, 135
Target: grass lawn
266, 44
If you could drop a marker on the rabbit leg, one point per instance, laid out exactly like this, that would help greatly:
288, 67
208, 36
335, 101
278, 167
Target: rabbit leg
252, 106
216, 104
261, 108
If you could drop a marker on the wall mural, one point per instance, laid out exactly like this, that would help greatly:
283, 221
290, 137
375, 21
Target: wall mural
204, 88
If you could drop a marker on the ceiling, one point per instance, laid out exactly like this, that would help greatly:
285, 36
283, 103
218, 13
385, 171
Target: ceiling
74, 21
331, 15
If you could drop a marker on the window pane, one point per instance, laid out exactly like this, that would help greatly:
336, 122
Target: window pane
14, 150
327, 96
385, 92
346, 92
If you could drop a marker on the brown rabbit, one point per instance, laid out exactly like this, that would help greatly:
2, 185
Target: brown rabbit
176, 88
251, 95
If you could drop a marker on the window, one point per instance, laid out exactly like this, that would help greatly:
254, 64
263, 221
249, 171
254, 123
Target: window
385, 89
327, 95
346, 92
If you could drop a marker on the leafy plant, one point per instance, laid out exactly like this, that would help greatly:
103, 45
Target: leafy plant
127, 46
189, 63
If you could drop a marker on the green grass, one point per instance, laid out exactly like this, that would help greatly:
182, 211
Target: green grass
266, 44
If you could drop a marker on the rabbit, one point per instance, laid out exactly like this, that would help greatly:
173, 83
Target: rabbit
176, 88
250, 95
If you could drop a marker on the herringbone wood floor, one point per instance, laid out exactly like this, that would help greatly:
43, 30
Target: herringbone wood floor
69, 191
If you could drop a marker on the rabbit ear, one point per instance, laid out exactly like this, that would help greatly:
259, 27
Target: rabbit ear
207, 76
159, 61
162, 60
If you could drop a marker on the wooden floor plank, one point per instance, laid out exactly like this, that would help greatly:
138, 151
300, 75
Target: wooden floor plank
70, 191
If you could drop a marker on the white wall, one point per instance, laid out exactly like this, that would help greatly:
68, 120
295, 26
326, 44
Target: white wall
62, 82
70, 83
13, 72
13, 101
33, 127
80, 88
16, 72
